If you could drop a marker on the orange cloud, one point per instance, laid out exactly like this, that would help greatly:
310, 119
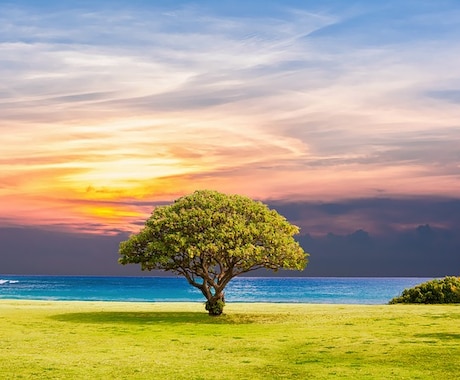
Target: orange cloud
96, 132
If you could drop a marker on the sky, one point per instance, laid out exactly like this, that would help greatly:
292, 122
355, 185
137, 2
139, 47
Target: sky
342, 115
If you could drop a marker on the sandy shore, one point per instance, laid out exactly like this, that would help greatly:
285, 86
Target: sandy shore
178, 306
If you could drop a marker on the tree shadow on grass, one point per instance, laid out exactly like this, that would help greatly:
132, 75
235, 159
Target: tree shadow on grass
138, 318
441, 336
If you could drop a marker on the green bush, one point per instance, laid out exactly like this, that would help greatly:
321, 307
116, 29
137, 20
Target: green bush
446, 290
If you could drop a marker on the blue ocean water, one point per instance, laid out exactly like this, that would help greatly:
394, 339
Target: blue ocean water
175, 289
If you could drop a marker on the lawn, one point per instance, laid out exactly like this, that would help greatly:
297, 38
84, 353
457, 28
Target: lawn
105, 340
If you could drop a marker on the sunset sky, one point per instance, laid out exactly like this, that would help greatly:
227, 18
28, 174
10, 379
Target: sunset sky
111, 107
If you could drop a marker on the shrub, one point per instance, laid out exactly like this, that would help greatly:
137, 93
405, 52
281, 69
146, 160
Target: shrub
446, 290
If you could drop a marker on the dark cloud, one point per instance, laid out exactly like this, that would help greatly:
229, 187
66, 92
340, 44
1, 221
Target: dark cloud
36, 251
379, 237
421, 252
380, 216
416, 237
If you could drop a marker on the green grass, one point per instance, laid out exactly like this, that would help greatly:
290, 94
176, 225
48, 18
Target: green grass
97, 340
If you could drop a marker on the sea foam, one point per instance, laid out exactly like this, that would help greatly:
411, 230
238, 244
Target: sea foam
2, 282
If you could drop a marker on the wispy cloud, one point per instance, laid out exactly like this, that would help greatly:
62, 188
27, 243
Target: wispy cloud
144, 103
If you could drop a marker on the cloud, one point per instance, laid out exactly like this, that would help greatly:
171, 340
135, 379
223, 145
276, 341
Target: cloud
421, 252
378, 236
449, 95
35, 251
378, 216
144, 103
367, 237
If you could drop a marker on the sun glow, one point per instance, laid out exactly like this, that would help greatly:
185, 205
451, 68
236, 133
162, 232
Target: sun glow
123, 175
111, 213
96, 130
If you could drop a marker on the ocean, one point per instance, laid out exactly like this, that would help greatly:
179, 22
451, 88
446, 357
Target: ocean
324, 290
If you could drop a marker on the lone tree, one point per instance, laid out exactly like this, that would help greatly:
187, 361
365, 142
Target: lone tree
209, 238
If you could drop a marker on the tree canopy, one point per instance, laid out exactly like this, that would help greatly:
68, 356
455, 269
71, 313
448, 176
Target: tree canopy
209, 238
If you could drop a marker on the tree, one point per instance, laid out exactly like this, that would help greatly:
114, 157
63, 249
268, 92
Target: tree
209, 238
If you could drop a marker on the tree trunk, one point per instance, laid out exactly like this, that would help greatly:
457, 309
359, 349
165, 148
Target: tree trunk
215, 305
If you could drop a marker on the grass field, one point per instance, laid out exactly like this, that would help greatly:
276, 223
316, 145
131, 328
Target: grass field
97, 340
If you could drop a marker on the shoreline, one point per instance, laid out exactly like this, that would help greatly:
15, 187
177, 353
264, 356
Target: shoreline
187, 306
198, 307
176, 304
227, 303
